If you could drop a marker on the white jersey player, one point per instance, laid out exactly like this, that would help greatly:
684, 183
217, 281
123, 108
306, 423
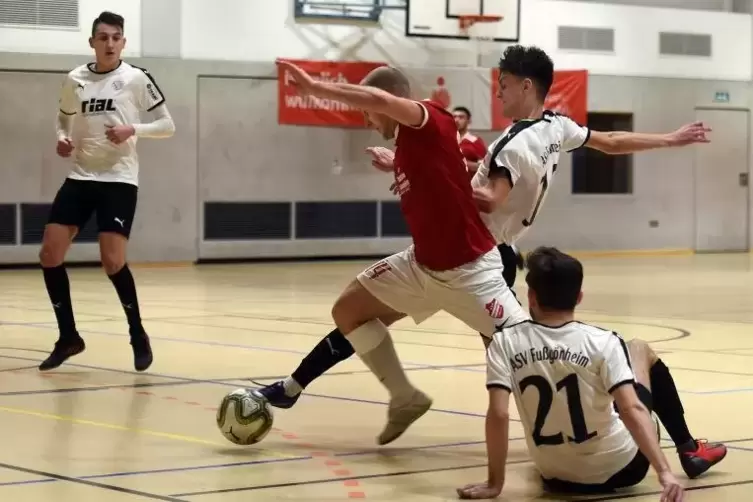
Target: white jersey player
526, 156
565, 376
98, 124
105, 100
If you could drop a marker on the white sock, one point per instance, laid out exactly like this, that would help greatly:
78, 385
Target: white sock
292, 388
373, 344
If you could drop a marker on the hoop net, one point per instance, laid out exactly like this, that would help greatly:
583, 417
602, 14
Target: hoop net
481, 31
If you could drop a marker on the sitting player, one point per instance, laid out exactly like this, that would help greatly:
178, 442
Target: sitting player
565, 375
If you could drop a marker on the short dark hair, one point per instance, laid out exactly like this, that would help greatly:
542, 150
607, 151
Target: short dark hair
389, 79
555, 278
529, 62
109, 18
462, 109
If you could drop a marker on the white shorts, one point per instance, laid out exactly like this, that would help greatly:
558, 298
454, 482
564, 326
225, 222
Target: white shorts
475, 293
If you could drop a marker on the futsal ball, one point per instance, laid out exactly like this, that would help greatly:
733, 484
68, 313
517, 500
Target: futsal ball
244, 417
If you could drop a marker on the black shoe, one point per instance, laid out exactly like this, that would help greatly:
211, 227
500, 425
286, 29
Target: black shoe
142, 351
64, 349
275, 394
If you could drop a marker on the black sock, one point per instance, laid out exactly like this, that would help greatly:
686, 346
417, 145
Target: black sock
126, 289
59, 291
667, 404
328, 352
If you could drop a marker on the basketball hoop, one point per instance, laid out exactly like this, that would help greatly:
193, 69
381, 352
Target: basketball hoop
479, 29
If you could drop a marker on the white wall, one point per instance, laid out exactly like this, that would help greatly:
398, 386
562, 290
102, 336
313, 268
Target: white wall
637, 39
262, 30
75, 41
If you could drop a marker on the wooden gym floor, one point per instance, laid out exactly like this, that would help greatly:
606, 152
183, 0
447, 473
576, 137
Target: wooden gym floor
96, 430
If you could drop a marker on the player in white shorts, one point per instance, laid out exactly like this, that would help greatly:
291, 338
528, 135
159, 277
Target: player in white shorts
565, 376
509, 189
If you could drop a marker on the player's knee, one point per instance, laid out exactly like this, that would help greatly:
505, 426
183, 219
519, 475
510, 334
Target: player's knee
54, 246
112, 265
353, 308
50, 257
342, 314
112, 262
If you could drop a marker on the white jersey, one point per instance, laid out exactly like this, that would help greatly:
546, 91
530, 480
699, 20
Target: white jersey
562, 379
105, 99
529, 151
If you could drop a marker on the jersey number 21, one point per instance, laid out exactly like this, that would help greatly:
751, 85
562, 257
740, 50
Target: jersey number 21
574, 406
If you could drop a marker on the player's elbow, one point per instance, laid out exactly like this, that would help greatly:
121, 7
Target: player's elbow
379, 103
632, 414
169, 129
610, 144
497, 415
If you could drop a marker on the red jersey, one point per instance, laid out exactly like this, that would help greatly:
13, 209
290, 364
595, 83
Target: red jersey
472, 147
435, 196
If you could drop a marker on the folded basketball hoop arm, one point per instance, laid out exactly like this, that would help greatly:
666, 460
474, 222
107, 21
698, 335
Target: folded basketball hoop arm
479, 29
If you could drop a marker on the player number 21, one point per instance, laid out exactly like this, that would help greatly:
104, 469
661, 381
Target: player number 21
546, 397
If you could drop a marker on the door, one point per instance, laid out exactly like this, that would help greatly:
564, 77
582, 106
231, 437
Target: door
721, 182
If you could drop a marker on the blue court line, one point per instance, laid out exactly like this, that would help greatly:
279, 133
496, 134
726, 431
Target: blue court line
248, 463
717, 392
239, 380
291, 351
226, 384
65, 390
50, 326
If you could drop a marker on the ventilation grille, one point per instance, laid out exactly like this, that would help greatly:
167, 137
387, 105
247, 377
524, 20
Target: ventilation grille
684, 44
586, 39
39, 13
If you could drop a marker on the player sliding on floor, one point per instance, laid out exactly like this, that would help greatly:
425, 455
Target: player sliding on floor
453, 264
565, 376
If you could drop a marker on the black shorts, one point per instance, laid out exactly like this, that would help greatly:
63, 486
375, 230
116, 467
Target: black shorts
509, 263
113, 203
630, 475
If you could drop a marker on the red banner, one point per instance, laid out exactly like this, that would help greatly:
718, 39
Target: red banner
568, 96
295, 109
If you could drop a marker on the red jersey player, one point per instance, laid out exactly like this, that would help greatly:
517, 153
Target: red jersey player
453, 264
472, 146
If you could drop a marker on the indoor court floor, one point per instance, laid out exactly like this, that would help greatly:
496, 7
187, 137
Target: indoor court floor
94, 429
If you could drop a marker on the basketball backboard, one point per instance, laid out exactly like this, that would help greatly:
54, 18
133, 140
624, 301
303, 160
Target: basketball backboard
440, 18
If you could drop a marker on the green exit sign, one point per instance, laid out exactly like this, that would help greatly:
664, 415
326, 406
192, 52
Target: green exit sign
721, 97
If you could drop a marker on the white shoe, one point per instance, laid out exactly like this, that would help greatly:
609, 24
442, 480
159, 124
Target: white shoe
400, 416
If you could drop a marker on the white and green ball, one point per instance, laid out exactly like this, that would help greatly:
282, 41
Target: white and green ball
244, 417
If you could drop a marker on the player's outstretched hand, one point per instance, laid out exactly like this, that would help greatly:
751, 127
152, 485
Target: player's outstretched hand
688, 134
477, 491
64, 147
672, 489
120, 133
382, 158
296, 77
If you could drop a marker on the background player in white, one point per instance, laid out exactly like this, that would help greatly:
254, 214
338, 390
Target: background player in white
565, 376
509, 186
99, 123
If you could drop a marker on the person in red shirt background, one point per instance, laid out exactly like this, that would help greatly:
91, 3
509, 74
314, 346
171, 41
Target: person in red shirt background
472, 147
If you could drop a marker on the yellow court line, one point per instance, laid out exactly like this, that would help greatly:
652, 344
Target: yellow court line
166, 435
